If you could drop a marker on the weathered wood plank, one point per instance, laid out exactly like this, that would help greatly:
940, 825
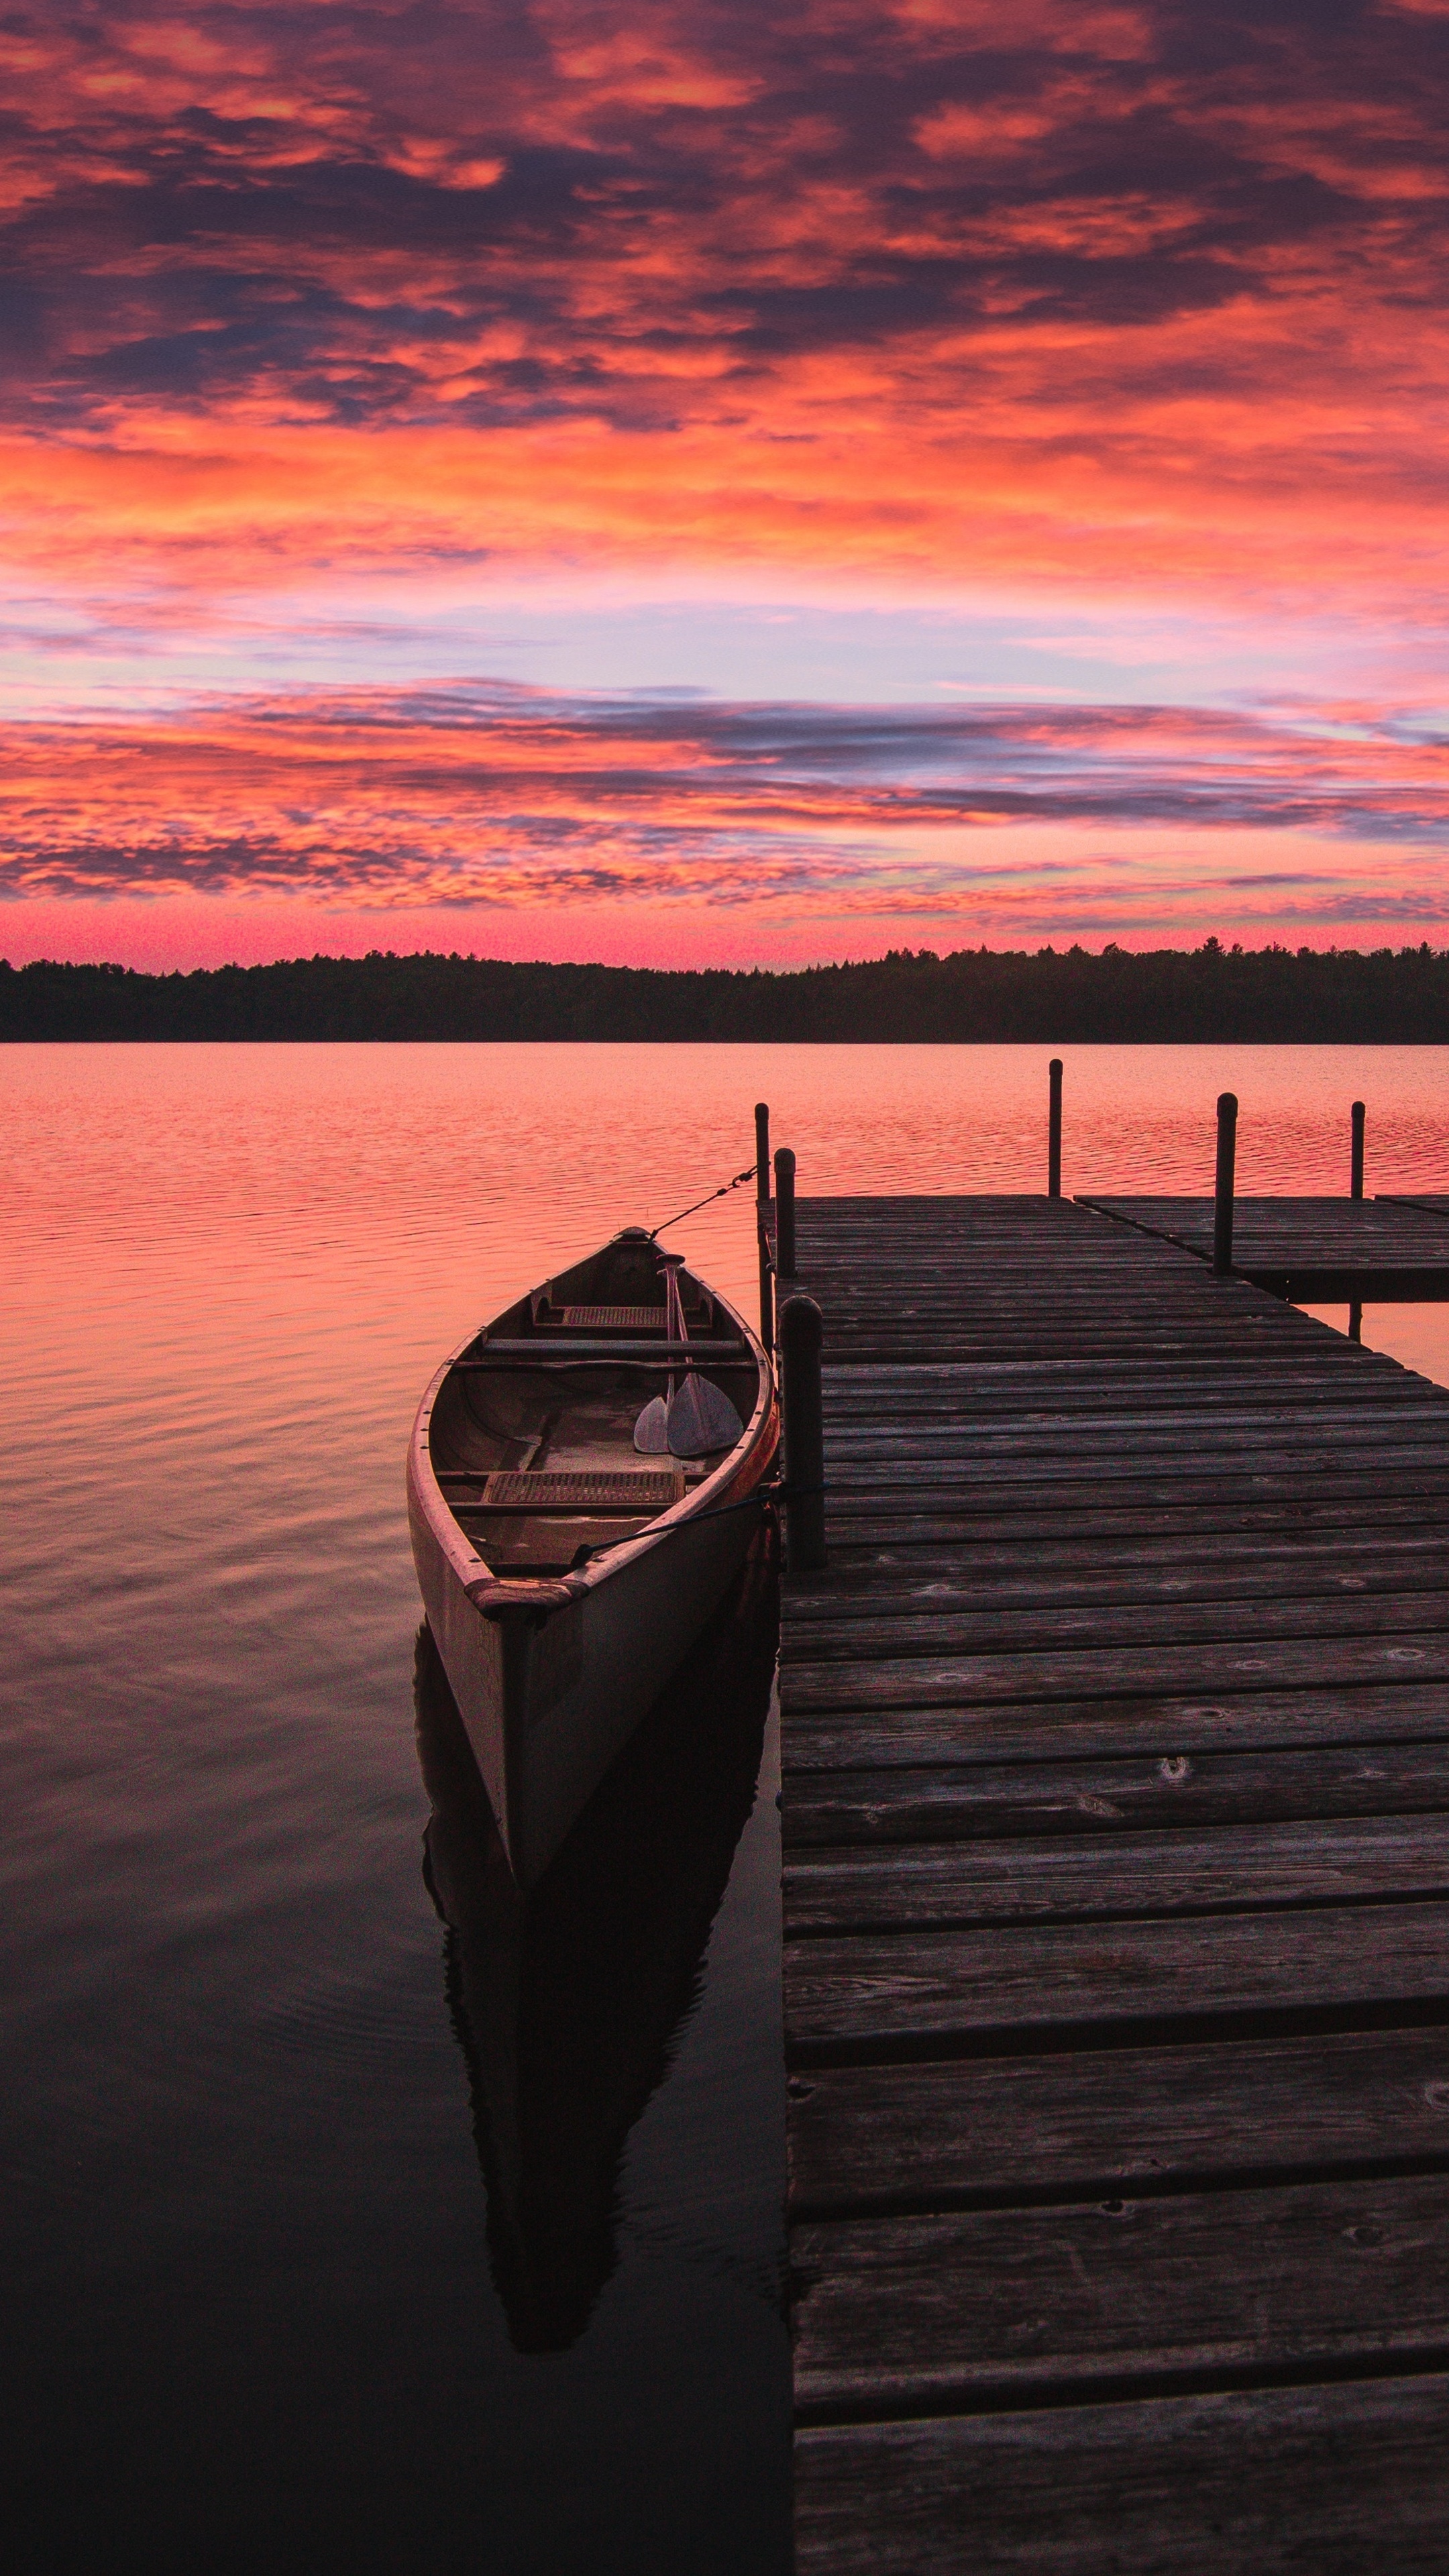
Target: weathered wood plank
1011, 2130
972, 2307
1312, 1426
1266, 1663
890, 1340
1151, 1729
1141, 1417
883, 1462
942, 1628
940, 1581
1131, 1872
904, 1482
874, 1993
1299, 1372
1130, 1515
1310, 2481
988, 1802
980, 1414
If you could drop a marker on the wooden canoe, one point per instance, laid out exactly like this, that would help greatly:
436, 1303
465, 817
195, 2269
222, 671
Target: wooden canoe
564, 1575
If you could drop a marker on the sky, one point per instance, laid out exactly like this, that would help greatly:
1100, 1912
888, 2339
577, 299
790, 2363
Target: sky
721, 483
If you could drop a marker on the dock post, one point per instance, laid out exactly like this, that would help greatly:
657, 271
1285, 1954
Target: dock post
1355, 1182
1054, 1128
801, 1333
1223, 1200
762, 1201
784, 1213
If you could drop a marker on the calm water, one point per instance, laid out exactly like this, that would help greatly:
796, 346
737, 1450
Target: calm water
361, 2221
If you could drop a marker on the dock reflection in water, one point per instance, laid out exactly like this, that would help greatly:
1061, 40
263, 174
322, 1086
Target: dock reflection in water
568, 2002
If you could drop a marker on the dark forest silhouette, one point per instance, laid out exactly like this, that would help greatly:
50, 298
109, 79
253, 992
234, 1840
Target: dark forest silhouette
1265, 994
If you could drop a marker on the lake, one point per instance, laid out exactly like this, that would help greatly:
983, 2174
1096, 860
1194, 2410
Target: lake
360, 2221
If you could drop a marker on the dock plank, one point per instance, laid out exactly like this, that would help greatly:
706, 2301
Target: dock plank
833, 1742
1127, 1873
857, 1995
936, 1627
1300, 2481
1016, 1580
1223, 1666
981, 2306
877, 2140
974, 1801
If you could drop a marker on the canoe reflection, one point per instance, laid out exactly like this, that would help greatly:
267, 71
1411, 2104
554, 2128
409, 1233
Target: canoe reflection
567, 2001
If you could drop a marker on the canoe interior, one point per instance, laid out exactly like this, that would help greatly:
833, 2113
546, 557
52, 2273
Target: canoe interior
536, 1459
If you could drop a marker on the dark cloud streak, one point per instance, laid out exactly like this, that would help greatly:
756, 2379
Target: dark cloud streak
478, 795
303, 205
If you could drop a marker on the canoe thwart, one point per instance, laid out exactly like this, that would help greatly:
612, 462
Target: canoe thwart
548, 1347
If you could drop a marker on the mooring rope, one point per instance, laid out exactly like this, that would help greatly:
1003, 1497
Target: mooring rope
722, 1192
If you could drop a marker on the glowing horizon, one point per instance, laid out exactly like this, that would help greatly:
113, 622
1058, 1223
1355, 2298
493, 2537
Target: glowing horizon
729, 485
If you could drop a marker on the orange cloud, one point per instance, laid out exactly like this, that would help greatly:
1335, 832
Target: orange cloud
495, 800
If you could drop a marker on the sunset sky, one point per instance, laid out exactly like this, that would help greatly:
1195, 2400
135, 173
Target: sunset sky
722, 482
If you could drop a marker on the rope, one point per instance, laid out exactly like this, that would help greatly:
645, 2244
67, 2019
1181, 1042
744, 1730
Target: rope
723, 1192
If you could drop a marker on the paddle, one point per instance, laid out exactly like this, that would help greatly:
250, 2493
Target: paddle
651, 1431
699, 1417
702, 1418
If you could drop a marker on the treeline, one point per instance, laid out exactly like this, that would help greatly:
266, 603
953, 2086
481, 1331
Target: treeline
1273, 994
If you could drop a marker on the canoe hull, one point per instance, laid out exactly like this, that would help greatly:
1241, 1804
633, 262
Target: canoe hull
548, 1707
551, 1679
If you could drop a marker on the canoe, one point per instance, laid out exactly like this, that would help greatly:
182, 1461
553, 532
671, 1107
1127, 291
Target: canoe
565, 1574
567, 2001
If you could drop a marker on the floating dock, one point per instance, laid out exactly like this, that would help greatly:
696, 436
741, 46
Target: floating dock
1116, 1817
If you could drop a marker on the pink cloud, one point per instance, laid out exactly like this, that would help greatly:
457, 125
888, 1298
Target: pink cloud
741, 822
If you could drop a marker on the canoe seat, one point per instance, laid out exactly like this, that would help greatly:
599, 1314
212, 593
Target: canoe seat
554, 1313
636, 1491
608, 1319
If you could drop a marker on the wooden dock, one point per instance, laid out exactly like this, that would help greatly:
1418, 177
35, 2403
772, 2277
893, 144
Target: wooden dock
1116, 1814
1312, 1250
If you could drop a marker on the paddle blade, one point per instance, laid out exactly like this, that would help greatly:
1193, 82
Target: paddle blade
700, 1419
651, 1431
